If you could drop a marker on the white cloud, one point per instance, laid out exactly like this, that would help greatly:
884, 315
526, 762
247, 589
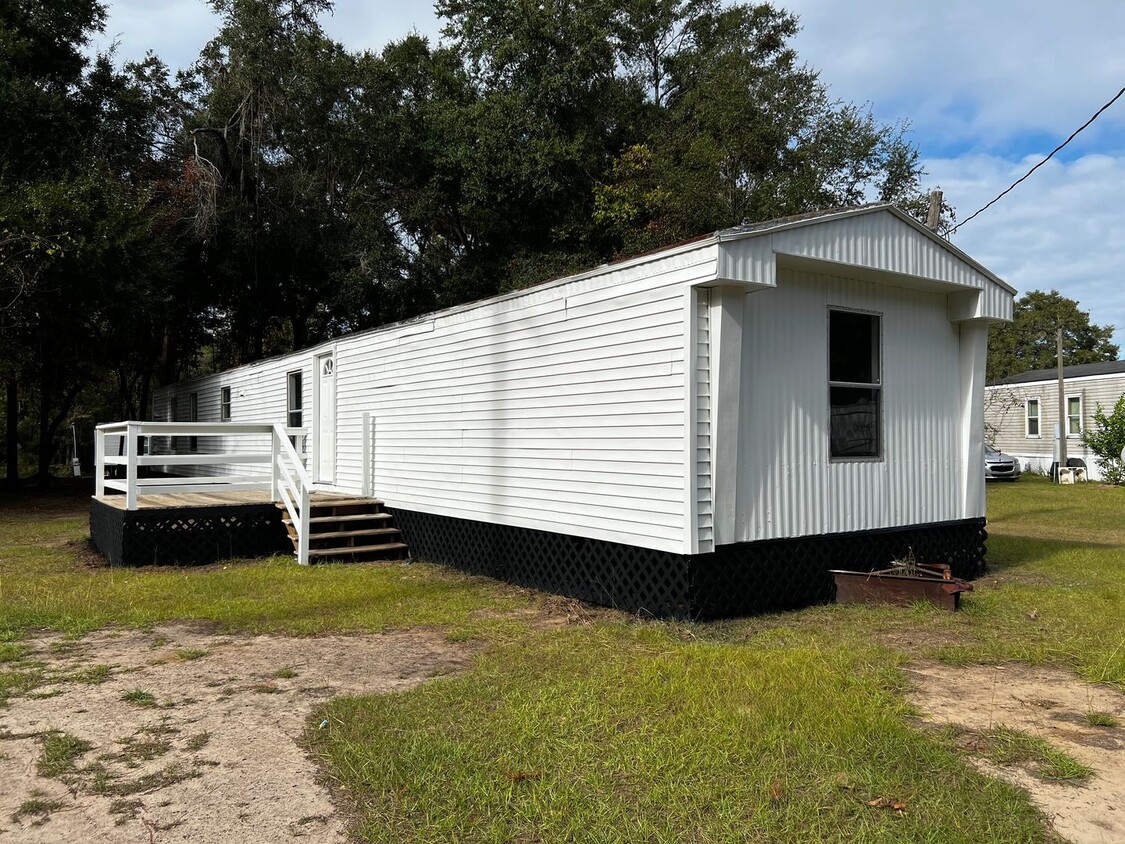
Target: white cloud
177, 29
1061, 229
965, 71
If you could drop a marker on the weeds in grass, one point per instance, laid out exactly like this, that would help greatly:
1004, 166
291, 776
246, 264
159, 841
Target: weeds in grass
1006, 746
92, 676
139, 697
60, 750
198, 741
189, 654
12, 652
1102, 719
177, 772
285, 674
38, 808
139, 748
125, 810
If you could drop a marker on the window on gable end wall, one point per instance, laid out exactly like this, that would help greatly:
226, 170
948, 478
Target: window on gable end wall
1074, 416
1032, 415
855, 384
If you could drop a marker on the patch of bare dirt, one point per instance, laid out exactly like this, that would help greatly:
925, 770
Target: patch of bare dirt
193, 736
1051, 705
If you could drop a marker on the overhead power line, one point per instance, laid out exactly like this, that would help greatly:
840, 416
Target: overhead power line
1012, 186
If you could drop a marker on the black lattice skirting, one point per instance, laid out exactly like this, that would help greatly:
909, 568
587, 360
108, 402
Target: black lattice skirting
186, 535
741, 579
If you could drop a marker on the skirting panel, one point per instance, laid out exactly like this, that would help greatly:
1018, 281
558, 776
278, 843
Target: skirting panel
741, 579
187, 535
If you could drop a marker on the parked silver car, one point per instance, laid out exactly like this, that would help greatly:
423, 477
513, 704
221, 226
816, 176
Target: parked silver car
999, 466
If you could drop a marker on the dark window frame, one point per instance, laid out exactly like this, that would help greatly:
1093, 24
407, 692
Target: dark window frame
855, 386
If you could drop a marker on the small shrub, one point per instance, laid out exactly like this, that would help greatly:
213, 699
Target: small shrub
1106, 438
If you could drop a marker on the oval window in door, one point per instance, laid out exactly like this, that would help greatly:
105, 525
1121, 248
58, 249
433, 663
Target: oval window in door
327, 368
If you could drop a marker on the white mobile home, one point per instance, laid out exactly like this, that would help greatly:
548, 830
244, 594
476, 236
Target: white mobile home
703, 430
1021, 412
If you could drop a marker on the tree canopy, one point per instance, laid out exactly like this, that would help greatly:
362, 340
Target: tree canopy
283, 189
1030, 341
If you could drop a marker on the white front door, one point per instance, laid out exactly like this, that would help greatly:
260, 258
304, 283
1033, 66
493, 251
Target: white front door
325, 418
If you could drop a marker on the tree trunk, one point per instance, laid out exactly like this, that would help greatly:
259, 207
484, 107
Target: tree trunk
12, 449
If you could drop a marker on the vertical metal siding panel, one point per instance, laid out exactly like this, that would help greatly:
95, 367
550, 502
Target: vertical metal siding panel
792, 487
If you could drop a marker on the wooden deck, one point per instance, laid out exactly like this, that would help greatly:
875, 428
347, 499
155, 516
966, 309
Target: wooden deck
164, 501
177, 500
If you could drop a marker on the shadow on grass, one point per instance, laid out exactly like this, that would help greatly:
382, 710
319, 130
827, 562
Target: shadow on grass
1012, 551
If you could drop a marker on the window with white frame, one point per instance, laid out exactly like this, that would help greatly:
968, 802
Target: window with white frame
224, 404
1073, 416
1032, 408
295, 401
855, 386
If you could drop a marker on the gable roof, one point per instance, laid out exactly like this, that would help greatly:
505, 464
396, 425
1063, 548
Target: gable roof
816, 217
1078, 370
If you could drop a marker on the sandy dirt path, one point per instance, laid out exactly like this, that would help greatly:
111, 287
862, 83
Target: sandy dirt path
1049, 704
213, 756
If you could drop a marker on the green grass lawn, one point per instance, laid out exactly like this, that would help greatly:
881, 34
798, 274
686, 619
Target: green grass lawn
789, 727
50, 578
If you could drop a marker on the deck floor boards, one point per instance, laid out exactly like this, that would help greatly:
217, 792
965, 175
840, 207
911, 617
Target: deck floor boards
203, 499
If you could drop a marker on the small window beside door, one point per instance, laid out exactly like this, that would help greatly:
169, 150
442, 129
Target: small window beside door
295, 400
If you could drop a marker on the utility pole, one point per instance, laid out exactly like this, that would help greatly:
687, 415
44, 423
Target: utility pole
1062, 406
933, 213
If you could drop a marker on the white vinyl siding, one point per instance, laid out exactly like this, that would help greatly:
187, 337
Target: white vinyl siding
1005, 417
560, 408
702, 454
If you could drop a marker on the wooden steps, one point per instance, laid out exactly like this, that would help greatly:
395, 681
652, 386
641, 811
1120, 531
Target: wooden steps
350, 528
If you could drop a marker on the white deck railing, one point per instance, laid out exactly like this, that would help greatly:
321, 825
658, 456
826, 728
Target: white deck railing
288, 482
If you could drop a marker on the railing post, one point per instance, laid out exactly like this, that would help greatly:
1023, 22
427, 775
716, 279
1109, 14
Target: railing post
366, 453
99, 462
303, 527
275, 467
131, 434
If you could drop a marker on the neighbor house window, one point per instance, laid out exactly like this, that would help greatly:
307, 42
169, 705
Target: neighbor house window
1033, 417
855, 385
1073, 416
295, 417
224, 404
193, 416
174, 416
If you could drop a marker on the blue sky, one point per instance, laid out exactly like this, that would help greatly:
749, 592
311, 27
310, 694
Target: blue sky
988, 89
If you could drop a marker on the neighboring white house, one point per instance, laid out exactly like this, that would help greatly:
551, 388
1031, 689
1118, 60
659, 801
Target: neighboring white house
705, 429
1021, 412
